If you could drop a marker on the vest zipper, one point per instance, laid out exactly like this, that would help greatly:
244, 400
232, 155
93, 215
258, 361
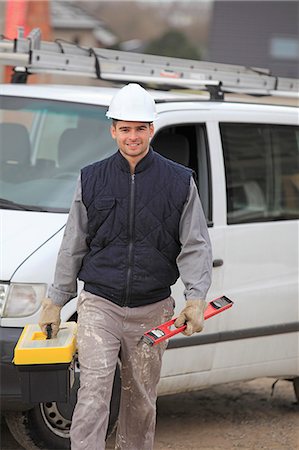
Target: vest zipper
131, 238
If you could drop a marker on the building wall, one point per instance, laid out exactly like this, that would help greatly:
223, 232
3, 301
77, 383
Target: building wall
84, 36
2, 18
256, 33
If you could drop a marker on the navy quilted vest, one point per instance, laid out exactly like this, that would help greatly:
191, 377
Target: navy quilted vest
133, 227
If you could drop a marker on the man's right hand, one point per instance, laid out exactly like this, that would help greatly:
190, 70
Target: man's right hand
50, 315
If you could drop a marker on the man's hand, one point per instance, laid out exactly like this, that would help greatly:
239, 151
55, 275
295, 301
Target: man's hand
50, 315
192, 316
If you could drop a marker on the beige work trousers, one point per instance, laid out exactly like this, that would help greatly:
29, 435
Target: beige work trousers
107, 332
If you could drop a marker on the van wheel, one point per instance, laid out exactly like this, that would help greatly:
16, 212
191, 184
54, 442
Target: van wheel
48, 424
296, 388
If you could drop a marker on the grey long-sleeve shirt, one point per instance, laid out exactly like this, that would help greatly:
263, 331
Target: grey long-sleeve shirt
194, 261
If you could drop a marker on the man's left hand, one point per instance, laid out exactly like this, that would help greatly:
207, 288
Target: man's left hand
192, 316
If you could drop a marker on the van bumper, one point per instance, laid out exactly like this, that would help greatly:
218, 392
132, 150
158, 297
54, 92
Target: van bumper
10, 390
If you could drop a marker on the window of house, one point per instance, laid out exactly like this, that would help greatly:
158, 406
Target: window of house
262, 171
282, 47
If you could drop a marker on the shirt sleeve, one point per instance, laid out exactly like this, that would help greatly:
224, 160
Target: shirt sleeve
72, 251
195, 259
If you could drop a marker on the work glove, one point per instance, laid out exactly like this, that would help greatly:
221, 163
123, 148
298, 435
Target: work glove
192, 316
50, 316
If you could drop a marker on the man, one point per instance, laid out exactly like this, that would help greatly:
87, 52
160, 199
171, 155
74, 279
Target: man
135, 225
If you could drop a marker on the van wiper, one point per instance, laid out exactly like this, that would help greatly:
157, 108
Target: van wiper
8, 204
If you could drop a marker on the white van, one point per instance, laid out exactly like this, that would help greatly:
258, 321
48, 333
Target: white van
246, 157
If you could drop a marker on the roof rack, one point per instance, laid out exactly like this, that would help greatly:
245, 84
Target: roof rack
31, 55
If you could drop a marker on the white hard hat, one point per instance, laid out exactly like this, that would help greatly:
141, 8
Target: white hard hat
132, 103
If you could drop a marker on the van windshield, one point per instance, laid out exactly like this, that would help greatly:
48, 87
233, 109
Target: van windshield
43, 146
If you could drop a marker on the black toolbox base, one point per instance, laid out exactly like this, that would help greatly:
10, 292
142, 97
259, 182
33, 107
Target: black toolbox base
46, 382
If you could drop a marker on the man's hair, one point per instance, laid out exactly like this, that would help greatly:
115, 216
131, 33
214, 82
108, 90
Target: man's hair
114, 122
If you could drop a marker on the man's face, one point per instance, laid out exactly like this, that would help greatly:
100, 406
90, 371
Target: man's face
132, 138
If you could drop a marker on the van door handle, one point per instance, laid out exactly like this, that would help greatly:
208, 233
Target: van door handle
217, 262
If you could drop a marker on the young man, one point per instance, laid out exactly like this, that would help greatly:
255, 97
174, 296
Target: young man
135, 225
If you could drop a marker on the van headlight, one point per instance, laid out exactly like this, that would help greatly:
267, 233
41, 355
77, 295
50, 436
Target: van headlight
21, 299
3, 290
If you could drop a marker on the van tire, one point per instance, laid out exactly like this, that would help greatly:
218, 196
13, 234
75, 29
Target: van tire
296, 388
29, 430
36, 429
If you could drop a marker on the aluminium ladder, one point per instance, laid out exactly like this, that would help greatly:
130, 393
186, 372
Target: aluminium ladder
31, 55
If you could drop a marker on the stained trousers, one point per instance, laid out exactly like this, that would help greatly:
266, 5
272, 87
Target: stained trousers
107, 332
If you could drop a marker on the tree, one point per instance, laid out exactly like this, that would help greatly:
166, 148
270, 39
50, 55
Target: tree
173, 43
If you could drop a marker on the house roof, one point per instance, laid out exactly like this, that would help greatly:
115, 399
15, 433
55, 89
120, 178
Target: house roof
67, 15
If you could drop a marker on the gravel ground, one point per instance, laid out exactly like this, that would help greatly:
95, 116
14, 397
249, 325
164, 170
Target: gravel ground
227, 417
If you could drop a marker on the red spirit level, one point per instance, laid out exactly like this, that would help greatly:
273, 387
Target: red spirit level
162, 332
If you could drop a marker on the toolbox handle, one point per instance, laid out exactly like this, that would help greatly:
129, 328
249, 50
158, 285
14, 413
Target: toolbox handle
49, 330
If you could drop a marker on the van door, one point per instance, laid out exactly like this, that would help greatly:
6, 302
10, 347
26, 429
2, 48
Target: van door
187, 143
261, 250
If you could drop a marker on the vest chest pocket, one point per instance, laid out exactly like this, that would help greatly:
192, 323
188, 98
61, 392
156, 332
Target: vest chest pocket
104, 203
104, 206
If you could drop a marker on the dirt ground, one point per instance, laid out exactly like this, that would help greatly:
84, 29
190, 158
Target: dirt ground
233, 416
227, 417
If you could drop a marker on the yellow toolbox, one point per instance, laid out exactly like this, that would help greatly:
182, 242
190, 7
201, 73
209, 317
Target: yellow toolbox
46, 366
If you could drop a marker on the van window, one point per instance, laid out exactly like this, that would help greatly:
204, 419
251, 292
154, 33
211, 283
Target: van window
187, 144
262, 171
43, 145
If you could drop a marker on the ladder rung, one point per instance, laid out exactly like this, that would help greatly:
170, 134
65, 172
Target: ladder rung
60, 57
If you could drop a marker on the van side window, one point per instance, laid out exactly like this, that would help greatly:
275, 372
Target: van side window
187, 145
262, 171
